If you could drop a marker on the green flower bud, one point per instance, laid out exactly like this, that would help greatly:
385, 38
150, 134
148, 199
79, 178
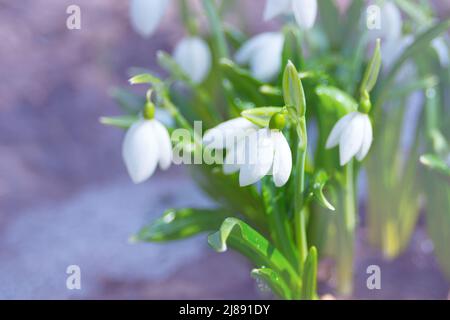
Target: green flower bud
278, 121
149, 110
365, 104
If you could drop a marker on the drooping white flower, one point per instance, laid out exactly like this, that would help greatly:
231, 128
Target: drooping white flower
146, 15
305, 11
254, 152
194, 57
353, 133
263, 54
146, 144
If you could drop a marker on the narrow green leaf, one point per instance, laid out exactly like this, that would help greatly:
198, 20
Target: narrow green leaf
129, 102
144, 78
417, 47
319, 181
335, 100
242, 81
260, 116
292, 48
123, 122
372, 71
178, 224
293, 93
166, 61
253, 245
436, 164
274, 281
309, 287
329, 19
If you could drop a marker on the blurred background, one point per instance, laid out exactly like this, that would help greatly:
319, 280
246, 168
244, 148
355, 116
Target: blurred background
65, 197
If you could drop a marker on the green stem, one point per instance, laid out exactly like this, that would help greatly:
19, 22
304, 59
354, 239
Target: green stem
188, 21
299, 216
217, 29
346, 233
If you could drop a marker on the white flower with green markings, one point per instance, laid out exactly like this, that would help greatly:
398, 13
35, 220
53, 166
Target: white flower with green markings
305, 11
263, 54
146, 144
353, 133
146, 15
253, 151
194, 57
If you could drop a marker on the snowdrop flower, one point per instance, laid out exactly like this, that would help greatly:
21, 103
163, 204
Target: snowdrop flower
146, 144
194, 57
305, 11
147, 14
254, 152
263, 54
353, 133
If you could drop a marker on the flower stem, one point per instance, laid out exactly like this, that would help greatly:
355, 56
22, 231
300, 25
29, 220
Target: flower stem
188, 20
346, 233
299, 215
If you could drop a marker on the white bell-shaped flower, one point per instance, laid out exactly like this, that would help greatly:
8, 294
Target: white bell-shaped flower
194, 57
146, 144
305, 11
353, 133
146, 15
254, 152
263, 53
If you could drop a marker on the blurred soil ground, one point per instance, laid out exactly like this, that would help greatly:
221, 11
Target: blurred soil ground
64, 194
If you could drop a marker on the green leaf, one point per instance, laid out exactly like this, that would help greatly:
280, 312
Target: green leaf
128, 101
123, 122
181, 223
417, 47
293, 93
145, 78
319, 181
260, 116
335, 100
166, 61
309, 278
242, 81
215, 24
372, 71
329, 18
274, 281
254, 246
434, 163
292, 48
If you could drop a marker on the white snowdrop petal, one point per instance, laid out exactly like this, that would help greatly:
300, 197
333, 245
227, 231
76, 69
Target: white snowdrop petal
351, 139
335, 135
194, 57
140, 151
250, 47
266, 62
227, 133
282, 161
164, 145
305, 12
276, 7
146, 15
260, 158
391, 21
367, 139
